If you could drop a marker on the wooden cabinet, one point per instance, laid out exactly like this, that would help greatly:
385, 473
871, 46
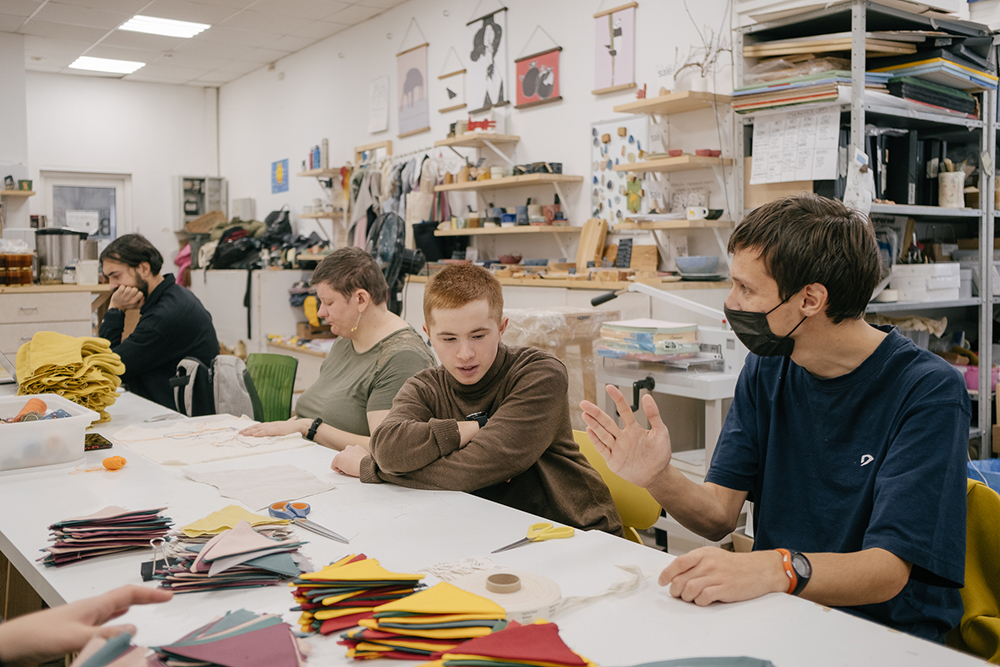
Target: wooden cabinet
67, 309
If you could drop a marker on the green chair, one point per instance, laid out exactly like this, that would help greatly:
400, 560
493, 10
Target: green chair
273, 376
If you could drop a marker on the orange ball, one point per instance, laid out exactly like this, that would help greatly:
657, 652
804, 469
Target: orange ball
114, 463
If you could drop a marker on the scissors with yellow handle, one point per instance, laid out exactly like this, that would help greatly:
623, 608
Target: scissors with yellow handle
539, 532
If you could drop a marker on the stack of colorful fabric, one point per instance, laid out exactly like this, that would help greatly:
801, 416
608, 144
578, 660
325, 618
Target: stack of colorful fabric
83, 370
202, 530
343, 593
239, 638
433, 621
237, 558
108, 531
535, 645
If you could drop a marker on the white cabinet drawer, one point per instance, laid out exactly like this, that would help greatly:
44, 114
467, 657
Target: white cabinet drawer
13, 336
36, 307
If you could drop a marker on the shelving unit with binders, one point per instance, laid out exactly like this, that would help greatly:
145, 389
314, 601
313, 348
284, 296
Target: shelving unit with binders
858, 18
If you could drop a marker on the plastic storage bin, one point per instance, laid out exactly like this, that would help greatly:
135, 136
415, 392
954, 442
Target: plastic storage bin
42, 443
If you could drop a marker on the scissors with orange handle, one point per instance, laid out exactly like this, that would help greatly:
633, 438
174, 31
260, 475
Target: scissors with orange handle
539, 532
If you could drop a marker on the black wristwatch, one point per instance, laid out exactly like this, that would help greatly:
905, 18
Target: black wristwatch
313, 428
480, 417
803, 570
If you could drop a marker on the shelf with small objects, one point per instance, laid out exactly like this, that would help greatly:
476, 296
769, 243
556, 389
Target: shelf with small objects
333, 203
911, 101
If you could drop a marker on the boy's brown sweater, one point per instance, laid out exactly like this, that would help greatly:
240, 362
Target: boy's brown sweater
524, 457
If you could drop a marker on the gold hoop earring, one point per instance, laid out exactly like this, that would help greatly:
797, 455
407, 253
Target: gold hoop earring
355, 327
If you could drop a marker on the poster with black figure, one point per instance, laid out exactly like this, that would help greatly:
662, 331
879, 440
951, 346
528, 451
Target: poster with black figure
413, 107
537, 74
451, 87
614, 49
487, 76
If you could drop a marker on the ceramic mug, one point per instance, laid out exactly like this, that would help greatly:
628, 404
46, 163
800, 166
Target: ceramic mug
697, 212
951, 187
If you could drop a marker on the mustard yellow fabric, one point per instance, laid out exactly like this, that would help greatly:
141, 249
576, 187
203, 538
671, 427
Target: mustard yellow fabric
362, 570
445, 599
83, 370
226, 519
442, 618
441, 633
979, 631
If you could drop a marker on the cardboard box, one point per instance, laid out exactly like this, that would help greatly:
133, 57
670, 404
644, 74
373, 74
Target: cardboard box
996, 439
741, 543
973, 244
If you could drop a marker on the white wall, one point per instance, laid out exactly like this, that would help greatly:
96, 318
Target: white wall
13, 118
155, 132
322, 91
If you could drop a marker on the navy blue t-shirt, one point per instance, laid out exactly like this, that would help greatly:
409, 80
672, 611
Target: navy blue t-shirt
871, 459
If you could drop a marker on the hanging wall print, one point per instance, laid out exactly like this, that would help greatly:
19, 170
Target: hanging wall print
614, 49
487, 41
452, 86
537, 75
411, 84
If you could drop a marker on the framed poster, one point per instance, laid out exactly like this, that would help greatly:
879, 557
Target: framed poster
378, 105
487, 76
537, 79
279, 176
614, 49
411, 80
452, 96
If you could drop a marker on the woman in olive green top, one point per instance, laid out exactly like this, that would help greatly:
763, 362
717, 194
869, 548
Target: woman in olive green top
376, 352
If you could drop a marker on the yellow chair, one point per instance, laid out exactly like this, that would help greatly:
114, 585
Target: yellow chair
637, 508
979, 631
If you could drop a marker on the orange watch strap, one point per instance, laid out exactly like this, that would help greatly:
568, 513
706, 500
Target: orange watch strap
786, 562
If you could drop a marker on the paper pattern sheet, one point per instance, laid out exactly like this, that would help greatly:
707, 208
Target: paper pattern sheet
201, 439
259, 487
796, 146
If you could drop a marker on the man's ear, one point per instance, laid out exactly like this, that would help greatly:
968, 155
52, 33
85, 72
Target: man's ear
426, 331
815, 299
144, 270
503, 326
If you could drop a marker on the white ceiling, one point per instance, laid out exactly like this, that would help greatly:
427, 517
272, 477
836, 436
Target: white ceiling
245, 34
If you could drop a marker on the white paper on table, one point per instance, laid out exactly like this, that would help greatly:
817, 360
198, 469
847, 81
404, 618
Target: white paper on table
378, 104
259, 487
799, 145
202, 439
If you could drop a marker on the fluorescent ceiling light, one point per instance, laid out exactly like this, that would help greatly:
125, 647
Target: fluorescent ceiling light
168, 27
106, 65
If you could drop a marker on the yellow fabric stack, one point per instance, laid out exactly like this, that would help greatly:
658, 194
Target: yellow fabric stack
83, 370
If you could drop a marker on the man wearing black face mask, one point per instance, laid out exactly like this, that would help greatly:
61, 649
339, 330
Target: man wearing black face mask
850, 441
172, 324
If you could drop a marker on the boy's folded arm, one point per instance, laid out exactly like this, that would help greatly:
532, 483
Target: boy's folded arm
410, 438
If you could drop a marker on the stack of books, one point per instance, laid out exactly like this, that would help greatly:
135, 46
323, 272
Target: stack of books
829, 86
648, 340
934, 96
955, 67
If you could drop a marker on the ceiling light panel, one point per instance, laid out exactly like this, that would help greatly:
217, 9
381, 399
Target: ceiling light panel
106, 65
168, 27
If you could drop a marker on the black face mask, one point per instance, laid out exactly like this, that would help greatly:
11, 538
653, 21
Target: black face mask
753, 331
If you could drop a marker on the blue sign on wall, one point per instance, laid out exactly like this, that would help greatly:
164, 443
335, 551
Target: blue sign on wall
279, 176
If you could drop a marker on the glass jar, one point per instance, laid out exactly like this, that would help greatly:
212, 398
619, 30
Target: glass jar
3, 269
51, 275
69, 275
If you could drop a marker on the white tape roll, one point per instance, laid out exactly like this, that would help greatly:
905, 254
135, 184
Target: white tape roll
536, 597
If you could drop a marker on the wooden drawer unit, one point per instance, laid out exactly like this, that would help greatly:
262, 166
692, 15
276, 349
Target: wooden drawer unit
35, 307
13, 336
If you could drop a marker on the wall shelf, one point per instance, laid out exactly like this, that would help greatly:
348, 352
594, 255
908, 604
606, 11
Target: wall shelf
520, 229
670, 224
669, 164
477, 140
509, 182
920, 305
671, 103
17, 193
336, 215
933, 211
321, 173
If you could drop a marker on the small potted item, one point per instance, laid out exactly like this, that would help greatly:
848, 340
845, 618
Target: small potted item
675, 152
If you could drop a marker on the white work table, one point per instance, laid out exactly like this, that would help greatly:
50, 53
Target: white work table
408, 530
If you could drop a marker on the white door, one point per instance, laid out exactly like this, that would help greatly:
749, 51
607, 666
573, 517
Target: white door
99, 204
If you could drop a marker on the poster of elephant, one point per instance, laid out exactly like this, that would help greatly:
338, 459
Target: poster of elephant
486, 84
614, 49
414, 104
537, 79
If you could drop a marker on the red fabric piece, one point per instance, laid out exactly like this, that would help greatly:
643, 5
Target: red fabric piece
535, 642
273, 646
331, 625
